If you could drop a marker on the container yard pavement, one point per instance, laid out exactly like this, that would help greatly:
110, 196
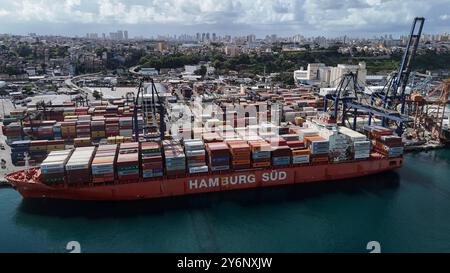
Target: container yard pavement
6, 155
6, 106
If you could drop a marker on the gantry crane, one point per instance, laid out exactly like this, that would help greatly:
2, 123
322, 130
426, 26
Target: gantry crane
430, 110
156, 106
349, 98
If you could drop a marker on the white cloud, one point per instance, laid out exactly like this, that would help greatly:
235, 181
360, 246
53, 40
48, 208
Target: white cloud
153, 11
3, 12
444, 17
51, 11
318, 15
329, 14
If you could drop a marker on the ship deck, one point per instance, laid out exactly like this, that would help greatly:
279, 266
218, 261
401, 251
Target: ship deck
29, 185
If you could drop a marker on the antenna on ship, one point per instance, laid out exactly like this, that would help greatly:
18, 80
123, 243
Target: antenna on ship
27, 162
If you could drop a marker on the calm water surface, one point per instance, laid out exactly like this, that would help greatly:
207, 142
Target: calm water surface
407, 210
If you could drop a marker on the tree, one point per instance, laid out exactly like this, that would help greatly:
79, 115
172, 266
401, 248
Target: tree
201, 71
285, 79
97, 95
24, 51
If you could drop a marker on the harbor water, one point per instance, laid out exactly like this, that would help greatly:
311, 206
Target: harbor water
404, 210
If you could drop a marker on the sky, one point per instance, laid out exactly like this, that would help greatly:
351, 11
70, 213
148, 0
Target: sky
331, 18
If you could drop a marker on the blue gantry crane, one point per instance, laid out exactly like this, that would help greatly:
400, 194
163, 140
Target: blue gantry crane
350, 99
156, 106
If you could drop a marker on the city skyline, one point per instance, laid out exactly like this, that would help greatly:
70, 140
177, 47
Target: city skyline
361, 18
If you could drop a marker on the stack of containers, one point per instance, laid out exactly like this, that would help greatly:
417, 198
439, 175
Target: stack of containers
56, 114
52, 168
151, 160
319, 148
340, 146
281, 155
98, 129
116, 139
13, 131
18, 150
57, 135
392, 145
81, 111
38, 150
385, 142
360, 143
83, 128
300, 156
240, 154
78, 168
69, 111
307, 132
82, 142
103, 164
195, 156
374, 132
175, 159
128, 162
112, 126
218, 156
293, 141
55, 145
112, 109
45, 132
126, 126
68, 129
261, 153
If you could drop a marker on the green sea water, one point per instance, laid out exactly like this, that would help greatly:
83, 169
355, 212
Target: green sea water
407, 210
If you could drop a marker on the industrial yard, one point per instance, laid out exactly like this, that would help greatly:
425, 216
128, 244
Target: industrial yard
295, 144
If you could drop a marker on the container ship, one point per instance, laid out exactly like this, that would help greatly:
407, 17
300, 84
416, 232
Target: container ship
216, 161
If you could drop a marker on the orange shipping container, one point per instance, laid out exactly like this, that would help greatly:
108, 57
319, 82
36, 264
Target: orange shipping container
240, 162
300, 152
261, 164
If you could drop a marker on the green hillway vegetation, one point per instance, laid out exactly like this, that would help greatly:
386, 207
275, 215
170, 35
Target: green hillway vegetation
286, 62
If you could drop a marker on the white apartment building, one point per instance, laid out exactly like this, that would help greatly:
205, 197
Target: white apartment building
231, 50
310, 74
338, 72
328, 76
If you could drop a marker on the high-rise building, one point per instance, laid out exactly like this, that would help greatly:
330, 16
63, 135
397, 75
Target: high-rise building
207, 36
92, 35
125, 34
214, 38
161, 46
120, 35
198, 36
203, 37
251, 38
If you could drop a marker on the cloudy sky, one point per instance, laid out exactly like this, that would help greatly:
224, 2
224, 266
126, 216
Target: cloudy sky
235, 17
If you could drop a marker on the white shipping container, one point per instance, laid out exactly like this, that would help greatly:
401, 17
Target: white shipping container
307, 132
80, 159
353, 135
126, 132
195, 153
52, 167
106, 168
300, 159
202, 169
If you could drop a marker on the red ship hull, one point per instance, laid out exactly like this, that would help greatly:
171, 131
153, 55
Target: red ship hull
29, 186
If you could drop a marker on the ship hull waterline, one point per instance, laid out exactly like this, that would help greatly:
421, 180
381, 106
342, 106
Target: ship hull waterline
32, 188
